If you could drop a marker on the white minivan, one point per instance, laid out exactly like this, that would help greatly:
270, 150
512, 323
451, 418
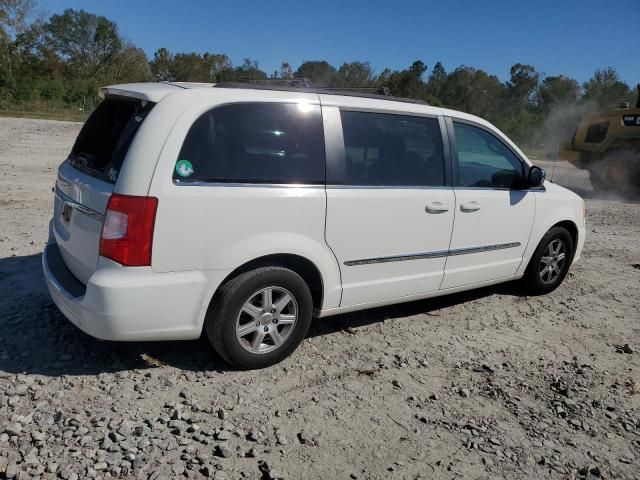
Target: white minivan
244, 211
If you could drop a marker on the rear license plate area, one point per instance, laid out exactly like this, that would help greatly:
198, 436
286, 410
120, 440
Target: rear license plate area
66, 212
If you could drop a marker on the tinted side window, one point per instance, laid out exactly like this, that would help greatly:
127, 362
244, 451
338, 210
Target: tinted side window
254, 143
386, 149
484, 161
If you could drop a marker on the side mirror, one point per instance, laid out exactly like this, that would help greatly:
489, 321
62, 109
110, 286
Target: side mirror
537, 177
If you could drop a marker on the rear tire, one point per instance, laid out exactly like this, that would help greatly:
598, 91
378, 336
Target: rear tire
260, 317
550, 262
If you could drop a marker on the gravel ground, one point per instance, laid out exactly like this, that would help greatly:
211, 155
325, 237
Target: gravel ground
486, 384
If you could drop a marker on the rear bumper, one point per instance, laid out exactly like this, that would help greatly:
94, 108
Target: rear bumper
131, 303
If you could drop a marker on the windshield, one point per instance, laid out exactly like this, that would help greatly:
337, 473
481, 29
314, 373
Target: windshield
104, 139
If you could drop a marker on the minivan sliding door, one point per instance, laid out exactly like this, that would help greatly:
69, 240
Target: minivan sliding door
389, 211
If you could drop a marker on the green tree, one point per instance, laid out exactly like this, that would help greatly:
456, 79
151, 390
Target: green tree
162, 65
522, 86
131, 65
406, 83
318, 71
189, 67
20, 64
51, 89
285, 71
354, 74
474, 91
216, 63
88, 43
15, 15
250, 71
437, 82
606, 88
559, 90
518, 113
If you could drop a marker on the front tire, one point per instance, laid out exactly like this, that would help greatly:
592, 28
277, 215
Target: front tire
260, 317
550, 262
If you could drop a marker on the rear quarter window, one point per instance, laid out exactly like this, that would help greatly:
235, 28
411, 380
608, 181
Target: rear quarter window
104, 140
254, 143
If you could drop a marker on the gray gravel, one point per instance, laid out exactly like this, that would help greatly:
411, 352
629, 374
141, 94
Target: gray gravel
485, 384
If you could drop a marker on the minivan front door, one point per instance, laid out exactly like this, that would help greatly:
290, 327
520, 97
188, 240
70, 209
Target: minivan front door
493, 213
389, 213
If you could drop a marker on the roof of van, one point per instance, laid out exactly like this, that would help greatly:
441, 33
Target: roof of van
156, 91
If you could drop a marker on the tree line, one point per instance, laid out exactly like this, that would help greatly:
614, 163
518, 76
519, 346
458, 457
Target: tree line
64, 59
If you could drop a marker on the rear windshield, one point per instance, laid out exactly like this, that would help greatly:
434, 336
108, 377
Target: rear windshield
104, 139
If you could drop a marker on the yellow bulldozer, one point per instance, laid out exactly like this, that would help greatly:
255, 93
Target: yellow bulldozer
607, 144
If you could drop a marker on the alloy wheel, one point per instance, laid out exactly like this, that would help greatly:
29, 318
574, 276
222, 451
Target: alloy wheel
552, 261
266, 320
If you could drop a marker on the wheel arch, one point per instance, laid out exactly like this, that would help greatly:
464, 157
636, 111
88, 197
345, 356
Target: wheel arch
304, 267
572, 228
569, 224
533, 282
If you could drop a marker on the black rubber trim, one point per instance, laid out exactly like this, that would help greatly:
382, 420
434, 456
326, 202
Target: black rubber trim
62, 276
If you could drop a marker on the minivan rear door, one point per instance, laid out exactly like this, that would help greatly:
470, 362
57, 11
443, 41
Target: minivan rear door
88, 177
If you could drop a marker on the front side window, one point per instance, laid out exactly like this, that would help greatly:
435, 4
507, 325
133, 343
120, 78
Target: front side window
394, 150
484, 161
254, 143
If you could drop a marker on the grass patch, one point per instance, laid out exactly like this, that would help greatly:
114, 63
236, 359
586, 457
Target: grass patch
68, 115
42, 109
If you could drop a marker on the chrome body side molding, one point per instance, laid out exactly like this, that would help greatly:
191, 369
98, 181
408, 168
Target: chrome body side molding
486, 248
438, 254
397, 258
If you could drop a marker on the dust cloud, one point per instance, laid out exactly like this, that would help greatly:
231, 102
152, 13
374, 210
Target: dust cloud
561, 124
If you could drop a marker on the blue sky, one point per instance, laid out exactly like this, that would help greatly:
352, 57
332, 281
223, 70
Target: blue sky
556, 37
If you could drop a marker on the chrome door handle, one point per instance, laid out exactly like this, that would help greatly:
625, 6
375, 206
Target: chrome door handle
470, 207
436, 207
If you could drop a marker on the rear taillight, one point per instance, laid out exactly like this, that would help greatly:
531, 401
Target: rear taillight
127, 232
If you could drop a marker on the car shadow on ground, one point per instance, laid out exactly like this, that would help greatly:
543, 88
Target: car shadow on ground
37, 339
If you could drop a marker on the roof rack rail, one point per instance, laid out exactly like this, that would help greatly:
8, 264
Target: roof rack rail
305, 85
384, 91
292, 81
